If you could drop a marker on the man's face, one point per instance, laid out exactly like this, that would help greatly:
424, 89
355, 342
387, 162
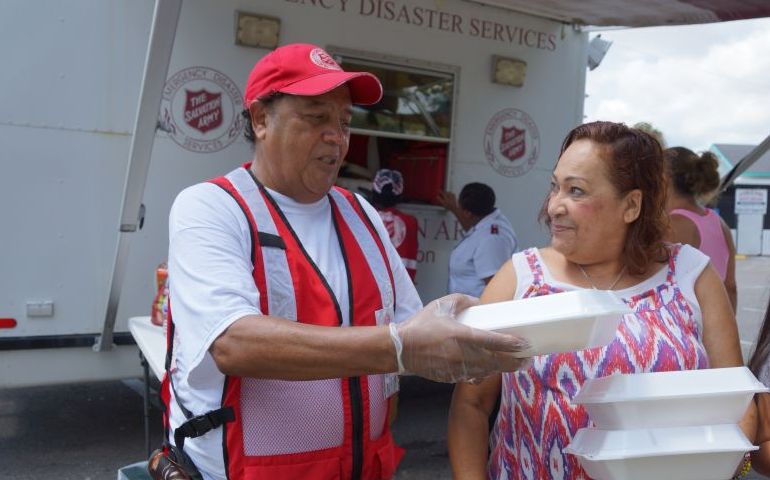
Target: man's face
302, 142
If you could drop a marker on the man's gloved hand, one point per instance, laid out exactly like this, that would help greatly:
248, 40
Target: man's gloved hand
432, 344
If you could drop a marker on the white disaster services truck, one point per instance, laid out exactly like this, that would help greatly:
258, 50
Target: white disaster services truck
109, 108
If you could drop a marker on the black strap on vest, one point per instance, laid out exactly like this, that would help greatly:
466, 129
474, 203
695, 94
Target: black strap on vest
270, 240
195, 426
202, 424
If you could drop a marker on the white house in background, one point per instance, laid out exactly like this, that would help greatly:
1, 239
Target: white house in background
751, 223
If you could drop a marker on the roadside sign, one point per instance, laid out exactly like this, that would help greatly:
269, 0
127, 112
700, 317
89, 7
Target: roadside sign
750, 201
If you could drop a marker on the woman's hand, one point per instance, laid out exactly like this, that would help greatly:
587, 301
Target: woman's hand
760, 459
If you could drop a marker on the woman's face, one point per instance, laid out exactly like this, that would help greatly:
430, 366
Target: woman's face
589, 217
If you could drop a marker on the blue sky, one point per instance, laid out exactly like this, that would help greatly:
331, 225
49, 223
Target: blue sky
699, 84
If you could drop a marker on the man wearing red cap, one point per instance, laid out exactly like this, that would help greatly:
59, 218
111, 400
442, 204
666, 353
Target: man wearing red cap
269, 268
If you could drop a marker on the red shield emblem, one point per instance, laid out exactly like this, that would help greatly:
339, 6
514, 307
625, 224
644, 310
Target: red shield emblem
203, 110
513, 143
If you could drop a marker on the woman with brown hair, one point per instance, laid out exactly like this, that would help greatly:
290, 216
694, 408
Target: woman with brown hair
606, 213
691, 178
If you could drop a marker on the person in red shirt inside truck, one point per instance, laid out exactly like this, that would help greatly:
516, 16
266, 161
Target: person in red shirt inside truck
387, 187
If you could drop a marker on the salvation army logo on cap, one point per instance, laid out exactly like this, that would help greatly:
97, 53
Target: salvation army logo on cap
200, 110
323, 59
511, 142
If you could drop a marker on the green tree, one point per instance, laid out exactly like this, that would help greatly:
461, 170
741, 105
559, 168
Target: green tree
649, 128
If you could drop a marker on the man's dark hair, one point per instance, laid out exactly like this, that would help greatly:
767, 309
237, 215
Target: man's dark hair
477, 198
248, 131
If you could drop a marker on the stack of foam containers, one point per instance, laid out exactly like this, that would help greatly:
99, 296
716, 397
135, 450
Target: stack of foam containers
665, 425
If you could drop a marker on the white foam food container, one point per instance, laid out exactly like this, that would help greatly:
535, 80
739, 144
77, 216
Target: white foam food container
562, 322
680, 453
669, 399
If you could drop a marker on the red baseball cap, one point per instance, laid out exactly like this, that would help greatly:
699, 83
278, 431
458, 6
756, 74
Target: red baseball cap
307, 70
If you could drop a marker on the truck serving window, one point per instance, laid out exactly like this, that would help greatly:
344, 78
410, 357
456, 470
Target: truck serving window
408, 130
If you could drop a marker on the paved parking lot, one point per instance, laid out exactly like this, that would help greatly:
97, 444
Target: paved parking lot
753, 276
87, 431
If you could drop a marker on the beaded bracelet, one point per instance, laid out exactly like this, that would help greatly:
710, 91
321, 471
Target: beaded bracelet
745, 468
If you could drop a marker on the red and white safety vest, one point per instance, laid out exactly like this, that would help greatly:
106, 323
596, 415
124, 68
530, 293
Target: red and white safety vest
319, 429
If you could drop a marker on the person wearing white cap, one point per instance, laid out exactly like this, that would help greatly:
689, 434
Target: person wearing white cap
387, 189
290, 312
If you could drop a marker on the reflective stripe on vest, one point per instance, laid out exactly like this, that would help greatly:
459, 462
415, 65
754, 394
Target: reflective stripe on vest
372, 252
280, 289
291, 422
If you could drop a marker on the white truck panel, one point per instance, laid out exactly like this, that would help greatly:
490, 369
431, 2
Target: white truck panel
71, 84
72, 65
61, 192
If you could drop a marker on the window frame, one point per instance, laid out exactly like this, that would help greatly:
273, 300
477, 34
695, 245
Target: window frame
342, 55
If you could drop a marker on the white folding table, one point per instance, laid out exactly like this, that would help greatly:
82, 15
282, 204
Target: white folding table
151, 340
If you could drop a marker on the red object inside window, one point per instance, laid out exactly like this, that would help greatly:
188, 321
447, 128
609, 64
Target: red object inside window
423, 165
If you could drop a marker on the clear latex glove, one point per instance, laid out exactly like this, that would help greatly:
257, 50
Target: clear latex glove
432, 344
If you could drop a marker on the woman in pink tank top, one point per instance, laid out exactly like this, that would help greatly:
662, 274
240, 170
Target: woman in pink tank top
691, 177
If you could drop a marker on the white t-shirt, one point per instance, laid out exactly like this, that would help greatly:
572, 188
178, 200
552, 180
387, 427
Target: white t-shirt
211, 286
485, 248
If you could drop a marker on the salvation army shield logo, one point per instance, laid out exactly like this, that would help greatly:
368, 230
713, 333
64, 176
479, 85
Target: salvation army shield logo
395, 226
511, 142
201, 110
323, 59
